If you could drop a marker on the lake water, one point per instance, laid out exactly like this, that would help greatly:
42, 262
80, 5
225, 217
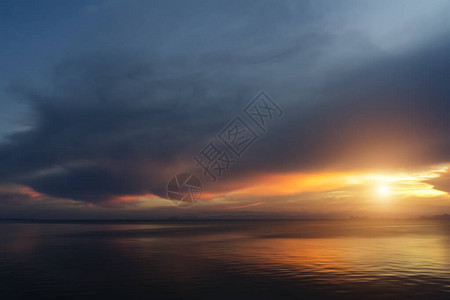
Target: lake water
355, 259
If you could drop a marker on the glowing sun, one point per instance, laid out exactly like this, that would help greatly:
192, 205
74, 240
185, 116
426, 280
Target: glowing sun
383, 190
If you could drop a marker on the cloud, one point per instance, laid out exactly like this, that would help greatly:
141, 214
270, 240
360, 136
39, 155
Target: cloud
116, 123
109, 128
441, 183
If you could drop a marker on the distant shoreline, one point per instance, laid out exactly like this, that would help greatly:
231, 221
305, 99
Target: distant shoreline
171, 220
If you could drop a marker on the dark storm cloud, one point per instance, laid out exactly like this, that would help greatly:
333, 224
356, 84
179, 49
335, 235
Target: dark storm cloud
111, 127
392, 112
121, 124
14, 198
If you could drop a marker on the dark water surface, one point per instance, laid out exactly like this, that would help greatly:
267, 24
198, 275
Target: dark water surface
358, 259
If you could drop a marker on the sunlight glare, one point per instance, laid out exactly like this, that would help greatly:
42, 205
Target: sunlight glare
383, 190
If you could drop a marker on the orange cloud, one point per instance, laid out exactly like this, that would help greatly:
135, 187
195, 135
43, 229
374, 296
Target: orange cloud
413, 183
30, 192
244, 206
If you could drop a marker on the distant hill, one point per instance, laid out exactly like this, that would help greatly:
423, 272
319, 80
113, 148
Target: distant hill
437, 217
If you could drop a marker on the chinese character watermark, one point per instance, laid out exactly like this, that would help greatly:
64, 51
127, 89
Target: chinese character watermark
184, 189
238, 136
213, 160
263, 110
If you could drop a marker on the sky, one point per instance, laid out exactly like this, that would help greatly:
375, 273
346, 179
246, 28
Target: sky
104, 102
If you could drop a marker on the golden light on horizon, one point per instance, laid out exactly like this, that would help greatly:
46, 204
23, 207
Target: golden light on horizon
385, 183
383, 190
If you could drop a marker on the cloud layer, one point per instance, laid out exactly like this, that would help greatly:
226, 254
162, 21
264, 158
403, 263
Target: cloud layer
121, 121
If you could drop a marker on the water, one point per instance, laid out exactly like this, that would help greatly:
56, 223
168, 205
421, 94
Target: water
355, 259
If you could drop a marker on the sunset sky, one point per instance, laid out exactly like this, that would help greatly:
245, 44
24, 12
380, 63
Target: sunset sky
103, 102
